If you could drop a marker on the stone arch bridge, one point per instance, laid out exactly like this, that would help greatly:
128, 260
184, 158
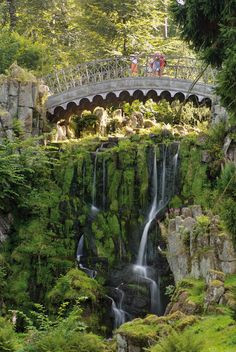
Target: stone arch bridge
110, 81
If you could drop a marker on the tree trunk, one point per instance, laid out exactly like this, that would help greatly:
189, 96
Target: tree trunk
124, 38
12, 13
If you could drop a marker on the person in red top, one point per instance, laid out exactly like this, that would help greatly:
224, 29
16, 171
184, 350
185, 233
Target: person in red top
162, 64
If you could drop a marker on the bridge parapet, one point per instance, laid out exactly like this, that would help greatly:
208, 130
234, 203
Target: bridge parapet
119, 67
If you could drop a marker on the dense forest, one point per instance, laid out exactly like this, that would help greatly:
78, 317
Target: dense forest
117, 222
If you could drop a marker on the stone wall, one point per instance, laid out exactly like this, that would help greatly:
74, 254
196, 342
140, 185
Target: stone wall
194, 248
22, 99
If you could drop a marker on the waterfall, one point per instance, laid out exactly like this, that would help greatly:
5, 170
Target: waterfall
142, 247
104, 183
163, 180
119, 314
79, 254
94, 191
80, 248
140, 268
175, 163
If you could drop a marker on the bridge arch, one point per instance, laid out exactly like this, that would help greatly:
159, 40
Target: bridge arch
126, 89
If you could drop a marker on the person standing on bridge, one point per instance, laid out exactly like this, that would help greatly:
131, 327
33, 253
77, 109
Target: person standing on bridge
134, 65
162, 64
156, 65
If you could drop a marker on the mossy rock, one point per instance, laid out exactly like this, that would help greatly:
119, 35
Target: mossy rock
186, 322
216, 283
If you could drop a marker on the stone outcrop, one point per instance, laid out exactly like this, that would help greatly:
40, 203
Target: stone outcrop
195, 296
5, 223
140, 334
229, 149
215, 287
196, 244
22, 98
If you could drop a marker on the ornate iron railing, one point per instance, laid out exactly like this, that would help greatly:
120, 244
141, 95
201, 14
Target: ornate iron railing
120, 67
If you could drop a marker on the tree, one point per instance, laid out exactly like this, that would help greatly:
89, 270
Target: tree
132, 25
210, 28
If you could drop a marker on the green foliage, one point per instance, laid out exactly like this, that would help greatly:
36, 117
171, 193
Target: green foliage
175, 202
196, 186
195, 289
64, 334
170, 113
169, 290
210, 28
86, 124
14, 47
226, 201
185, 342
7, 336
75, 284
203, 223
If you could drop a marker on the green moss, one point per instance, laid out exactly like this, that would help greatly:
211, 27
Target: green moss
147, 331
196, 186
73, 285
216, 283
195, 289
230, 282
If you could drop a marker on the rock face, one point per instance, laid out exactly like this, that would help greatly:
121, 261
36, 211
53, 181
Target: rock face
21, 100
196, 244
5, 223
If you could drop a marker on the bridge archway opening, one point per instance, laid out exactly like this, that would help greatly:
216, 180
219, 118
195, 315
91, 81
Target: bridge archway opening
206, 102
138, 95
166, 95
125, 97
193, 99
179, 96
152, 94
98, 101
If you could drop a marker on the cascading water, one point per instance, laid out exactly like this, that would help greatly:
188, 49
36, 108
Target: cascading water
140, 268
93, 206
119, 314
104, 183
141, 261
175, 163
79, 254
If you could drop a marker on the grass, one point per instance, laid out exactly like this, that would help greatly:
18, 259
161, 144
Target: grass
218, 333
195, 289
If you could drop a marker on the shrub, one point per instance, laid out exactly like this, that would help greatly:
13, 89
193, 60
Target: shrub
7, 336
186, 342
14, 47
